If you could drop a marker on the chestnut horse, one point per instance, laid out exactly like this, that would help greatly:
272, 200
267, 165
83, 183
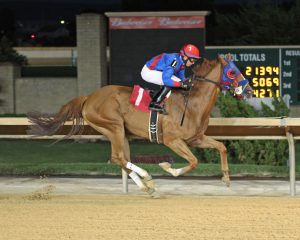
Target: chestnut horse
109, 112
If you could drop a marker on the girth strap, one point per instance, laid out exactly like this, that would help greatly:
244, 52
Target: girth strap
153, 119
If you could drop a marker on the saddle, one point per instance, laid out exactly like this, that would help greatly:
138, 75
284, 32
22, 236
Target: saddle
140, 98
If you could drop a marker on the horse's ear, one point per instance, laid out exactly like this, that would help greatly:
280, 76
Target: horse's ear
229, 56
222, 60
219, 58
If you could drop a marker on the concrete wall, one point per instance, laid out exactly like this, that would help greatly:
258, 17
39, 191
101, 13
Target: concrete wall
43, 94
91, 51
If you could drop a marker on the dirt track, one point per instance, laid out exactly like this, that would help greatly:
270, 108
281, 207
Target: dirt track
43, 215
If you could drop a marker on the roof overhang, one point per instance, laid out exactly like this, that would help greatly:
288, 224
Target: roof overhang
157, 14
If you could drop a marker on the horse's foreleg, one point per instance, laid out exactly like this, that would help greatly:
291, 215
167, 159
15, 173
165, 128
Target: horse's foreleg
209, 142
180, 147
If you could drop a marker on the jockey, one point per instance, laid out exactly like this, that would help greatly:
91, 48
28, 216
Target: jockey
168, 70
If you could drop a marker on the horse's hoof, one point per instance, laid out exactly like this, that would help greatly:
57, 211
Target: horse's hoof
155, 195
149, 182
226, 181
165, 165
144, 189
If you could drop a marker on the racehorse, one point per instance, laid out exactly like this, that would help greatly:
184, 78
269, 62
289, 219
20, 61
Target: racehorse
109, 112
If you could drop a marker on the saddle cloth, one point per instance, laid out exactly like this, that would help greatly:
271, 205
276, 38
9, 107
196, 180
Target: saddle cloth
140, 98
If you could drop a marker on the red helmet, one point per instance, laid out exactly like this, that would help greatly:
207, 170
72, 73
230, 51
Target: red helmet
190, 51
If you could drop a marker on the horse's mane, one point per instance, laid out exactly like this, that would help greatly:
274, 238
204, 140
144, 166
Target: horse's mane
204, 67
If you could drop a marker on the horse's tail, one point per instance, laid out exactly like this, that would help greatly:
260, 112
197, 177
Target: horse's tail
49, 124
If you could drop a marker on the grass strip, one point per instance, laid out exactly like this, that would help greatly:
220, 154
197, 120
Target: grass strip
38, 158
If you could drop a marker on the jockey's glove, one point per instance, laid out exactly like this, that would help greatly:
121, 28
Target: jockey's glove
186, 85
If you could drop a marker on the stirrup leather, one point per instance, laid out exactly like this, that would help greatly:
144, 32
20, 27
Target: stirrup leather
155, 106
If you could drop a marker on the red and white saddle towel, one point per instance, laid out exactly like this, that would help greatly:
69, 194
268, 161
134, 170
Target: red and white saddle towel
140, 98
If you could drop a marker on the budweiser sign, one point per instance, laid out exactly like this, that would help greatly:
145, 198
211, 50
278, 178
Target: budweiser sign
156, 22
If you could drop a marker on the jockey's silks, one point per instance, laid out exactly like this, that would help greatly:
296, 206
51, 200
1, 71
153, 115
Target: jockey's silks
169, 64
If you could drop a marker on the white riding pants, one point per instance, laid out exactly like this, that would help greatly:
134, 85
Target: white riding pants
154, 76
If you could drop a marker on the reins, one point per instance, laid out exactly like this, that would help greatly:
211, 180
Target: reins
203, 79
186, 100
186, 96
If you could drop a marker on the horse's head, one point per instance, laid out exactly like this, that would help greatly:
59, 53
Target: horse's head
233, 80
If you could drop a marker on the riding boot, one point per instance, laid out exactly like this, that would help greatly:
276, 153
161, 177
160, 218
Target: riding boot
158, 98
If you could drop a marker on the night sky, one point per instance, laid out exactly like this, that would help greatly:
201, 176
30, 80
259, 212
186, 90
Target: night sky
41, 9
53, 9
19, 19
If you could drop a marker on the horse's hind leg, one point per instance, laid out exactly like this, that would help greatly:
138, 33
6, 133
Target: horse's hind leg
147, 180
120, 155
209, 142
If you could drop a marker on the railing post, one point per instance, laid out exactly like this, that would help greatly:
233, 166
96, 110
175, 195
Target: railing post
125, 181
292, 163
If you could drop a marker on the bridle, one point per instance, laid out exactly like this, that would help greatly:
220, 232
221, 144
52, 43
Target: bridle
186, 94
231, 86
204, 79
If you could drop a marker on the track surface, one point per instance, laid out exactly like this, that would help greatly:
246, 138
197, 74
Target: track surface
45, 215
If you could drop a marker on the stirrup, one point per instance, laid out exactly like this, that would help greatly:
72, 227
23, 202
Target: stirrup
158, 108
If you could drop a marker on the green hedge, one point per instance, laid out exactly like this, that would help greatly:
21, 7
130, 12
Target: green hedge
261, 152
